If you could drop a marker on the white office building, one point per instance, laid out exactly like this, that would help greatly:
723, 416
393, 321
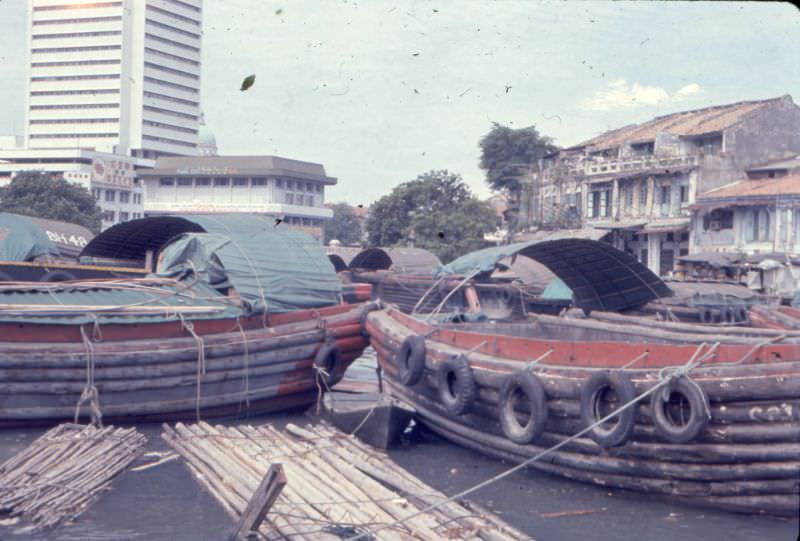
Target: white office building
291, 190
112, 179
118, 77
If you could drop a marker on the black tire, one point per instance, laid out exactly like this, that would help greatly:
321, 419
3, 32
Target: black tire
533, 392
58, 276
591, 401
410, 360
456, 385
742, 314
706, 316
685, 400
329, 359
729, 314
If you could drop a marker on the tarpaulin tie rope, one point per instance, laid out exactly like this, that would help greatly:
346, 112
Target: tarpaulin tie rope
246, 365
90, 393
201, 361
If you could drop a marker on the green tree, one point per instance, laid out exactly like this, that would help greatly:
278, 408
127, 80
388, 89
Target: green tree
344, 226
39, 194
435, 211
508, 154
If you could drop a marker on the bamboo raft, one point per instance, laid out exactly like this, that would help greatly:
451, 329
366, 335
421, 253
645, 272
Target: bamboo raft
337, 487
60, 474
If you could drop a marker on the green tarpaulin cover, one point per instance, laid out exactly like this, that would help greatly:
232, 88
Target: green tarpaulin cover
275, 269
23, 240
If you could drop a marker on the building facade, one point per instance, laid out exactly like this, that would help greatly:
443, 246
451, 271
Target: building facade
290, 190
759, 215
639, 182
111, 178
117, 77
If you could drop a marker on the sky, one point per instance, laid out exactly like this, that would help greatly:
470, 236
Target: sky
382, 91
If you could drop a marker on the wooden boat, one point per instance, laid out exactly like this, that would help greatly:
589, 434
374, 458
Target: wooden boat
38, 250
374, 418
226, 328
717, 422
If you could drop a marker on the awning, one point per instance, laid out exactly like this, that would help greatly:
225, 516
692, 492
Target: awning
589, 233
665, 226
622, 225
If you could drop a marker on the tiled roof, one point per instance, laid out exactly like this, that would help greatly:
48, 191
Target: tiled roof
686, 123
769, 187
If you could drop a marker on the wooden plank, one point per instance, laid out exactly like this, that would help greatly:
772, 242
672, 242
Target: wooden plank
267, 492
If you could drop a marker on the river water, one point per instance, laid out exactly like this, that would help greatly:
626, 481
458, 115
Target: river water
166, 503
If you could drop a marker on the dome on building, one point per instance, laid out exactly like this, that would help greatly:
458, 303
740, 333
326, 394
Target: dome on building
206, 142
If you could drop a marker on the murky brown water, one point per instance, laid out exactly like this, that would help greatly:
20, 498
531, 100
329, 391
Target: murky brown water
166, 503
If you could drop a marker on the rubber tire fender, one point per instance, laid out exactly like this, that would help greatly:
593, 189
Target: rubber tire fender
706, 315
410, 360
460, 399
742, 314
329, 358
621, 384
698, 414
58, 276
729, 314
533, 391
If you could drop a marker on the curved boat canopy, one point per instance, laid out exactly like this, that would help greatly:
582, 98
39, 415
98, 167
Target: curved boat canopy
276, 269
400, 260
600, 276
341, 256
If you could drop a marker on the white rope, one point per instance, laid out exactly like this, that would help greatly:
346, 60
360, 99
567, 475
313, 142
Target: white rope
90, 393
246, 365
665, 379
425, 295
467, 278
201, 361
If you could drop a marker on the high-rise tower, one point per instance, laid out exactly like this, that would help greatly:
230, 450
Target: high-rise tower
115, 76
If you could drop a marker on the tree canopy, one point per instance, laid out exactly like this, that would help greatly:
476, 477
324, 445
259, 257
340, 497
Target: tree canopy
42, 195
508, 154
436, 211
344, 226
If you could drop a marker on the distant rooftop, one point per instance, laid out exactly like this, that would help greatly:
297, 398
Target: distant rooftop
772, 188
238, 165
686, 123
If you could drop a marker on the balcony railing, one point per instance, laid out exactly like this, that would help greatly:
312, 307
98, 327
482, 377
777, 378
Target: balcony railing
612, 167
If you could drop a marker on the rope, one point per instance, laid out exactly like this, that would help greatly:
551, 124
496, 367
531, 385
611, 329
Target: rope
635, 360
90, 393
664, 380
246, 365
424, 296
467, 278
201, 361
536, 361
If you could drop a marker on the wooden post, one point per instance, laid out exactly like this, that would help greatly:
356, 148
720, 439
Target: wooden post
267, 492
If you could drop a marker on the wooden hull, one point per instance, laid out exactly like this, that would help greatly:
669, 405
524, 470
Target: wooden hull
154, 371
746, 459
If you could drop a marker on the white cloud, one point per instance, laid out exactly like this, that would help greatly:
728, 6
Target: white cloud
618, 94
686, 91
